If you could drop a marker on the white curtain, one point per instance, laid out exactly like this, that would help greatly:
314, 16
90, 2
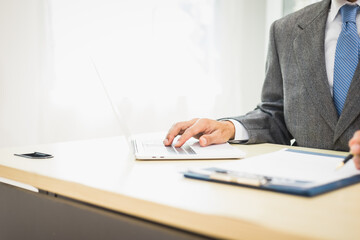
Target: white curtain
161, 60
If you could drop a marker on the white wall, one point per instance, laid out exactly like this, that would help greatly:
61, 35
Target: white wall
21, 76
241, 32
27, 113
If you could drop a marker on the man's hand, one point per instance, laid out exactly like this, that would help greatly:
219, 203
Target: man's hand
354, 145
206, 130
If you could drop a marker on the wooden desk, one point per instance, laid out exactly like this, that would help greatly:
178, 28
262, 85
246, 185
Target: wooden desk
102, 172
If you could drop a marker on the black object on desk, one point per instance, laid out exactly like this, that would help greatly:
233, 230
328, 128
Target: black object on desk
35, 155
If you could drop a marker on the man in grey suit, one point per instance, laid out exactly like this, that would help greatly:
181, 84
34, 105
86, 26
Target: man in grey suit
297, 96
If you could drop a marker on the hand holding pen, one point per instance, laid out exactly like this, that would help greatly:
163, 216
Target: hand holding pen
354, 145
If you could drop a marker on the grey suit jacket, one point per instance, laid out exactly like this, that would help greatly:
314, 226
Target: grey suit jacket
296, 100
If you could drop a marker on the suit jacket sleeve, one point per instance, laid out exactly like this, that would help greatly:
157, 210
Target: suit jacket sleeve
266, 123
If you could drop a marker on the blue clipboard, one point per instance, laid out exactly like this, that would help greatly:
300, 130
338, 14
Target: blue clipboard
269, 183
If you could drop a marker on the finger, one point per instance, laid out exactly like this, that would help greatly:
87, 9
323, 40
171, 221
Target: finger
355, 139
355, 149
357, 134
221, 132
213, 138
197, 128
177, 129
356, 160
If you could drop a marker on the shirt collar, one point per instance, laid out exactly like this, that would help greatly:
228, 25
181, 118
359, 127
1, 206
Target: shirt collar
336, 5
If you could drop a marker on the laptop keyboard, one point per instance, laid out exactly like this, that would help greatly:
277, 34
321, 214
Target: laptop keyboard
185, 149
160, 148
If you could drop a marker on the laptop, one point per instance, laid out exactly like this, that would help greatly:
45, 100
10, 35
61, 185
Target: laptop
150, 146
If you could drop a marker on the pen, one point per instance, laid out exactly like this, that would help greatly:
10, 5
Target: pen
350, 156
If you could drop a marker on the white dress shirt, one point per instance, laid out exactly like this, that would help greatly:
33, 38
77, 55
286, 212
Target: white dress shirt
332, 32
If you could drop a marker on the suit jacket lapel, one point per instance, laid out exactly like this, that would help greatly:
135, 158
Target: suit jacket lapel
309, 51
351, 108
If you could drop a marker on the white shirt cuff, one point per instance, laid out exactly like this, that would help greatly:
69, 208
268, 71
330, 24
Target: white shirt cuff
241, 134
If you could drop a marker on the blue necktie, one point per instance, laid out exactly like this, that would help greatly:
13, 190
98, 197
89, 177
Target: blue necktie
346, 55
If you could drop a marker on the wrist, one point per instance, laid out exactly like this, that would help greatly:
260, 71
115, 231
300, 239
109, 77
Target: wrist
230, 129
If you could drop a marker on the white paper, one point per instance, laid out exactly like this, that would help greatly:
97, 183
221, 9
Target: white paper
295, 165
